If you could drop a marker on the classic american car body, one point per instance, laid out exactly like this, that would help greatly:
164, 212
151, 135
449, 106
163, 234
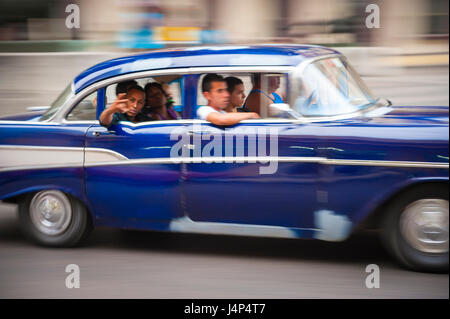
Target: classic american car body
340, 159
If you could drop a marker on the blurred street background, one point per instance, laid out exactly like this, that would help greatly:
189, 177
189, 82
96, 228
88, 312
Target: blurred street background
401, 50
399, 47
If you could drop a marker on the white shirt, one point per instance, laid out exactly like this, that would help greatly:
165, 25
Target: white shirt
204, 111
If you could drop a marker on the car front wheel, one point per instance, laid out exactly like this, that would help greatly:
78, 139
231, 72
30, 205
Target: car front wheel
416, 229
53, 218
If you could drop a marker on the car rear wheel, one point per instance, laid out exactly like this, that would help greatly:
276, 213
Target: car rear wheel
53, 218
416, 229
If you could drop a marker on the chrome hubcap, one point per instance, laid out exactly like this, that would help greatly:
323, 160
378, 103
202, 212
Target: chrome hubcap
51, 212
424, 225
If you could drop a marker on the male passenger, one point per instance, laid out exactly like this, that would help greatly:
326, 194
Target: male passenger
215, 91
235, 87
126, 107
122, 87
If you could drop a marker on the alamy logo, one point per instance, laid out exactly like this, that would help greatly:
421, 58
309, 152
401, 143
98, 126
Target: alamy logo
373, 19
373, 279
73, 19
234, 145
73, 280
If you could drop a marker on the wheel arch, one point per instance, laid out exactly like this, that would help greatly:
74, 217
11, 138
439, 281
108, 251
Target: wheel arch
375, 218
17, 197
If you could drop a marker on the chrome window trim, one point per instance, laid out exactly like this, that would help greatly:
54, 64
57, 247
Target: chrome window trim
65, 109
233, 160
60, 116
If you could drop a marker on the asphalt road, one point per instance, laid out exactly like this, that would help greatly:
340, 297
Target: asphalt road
116, 264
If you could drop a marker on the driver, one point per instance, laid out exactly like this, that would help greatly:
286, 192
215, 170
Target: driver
257, 99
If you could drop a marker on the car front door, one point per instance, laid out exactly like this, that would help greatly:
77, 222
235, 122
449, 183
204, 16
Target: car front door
275, 185
130, 178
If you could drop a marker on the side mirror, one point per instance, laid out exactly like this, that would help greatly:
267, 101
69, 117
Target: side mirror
280, 107
283, 110
279, 110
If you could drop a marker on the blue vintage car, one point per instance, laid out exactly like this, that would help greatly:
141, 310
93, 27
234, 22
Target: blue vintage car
328, 159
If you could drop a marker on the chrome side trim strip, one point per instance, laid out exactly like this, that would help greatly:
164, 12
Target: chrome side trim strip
187, 225
37, 167
28, 122
267, 159
89, 150
385, 163
21, 157
99, 154
41, 148
210, 160
84, 122
24, 157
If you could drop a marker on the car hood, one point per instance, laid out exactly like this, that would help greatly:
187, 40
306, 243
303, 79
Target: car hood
29, 116
414, 115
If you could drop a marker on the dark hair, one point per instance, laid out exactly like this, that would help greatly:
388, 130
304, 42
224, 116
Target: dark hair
135, 87
122, 87
208, 79
169, 102
155, 85
256, 78
232, 82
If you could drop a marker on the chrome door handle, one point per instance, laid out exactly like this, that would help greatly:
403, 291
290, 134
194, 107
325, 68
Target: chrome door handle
99, 133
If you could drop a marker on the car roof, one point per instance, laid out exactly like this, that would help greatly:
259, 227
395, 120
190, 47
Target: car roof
210, 56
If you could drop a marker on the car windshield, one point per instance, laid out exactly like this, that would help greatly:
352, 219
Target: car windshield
56, 105
329, 87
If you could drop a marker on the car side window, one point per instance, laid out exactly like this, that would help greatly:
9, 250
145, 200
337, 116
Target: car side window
259, 91
85, 110
174, 88
245, 78
171, 85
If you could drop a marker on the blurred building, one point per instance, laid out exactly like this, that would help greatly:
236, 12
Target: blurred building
159, 23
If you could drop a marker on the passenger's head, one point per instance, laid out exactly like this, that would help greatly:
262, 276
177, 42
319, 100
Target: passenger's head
122, 87
214, 89
235, 87
273, 81
136, 100
256, 79
155, 95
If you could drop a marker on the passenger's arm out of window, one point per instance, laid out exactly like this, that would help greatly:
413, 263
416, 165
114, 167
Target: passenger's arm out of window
119, 105
230, 118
